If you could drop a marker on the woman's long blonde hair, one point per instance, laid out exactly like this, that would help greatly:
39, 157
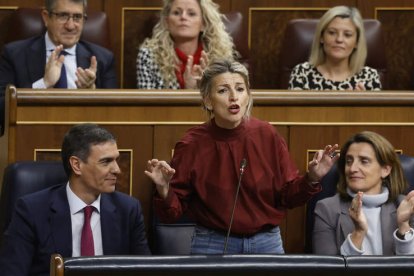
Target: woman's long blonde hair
217, 43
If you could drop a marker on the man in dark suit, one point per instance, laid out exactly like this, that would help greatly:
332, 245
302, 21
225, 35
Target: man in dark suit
54, 220
37, 62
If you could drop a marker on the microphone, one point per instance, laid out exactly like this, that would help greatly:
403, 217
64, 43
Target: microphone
243, 165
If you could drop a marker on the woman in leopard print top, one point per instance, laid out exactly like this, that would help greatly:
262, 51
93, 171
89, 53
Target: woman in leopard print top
338, 55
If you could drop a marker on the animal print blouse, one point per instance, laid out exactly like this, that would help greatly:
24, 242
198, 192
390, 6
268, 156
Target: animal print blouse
305, 76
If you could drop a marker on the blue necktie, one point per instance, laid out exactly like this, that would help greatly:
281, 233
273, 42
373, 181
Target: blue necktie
62, 82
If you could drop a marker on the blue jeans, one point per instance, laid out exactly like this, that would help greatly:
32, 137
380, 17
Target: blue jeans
207, 241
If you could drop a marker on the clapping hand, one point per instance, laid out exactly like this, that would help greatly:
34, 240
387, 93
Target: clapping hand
404, 212
53, 67
194, 72
86, 77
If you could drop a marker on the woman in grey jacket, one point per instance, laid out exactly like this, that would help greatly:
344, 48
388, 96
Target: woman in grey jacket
369, 215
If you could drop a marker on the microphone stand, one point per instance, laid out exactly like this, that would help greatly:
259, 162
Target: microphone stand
242, 166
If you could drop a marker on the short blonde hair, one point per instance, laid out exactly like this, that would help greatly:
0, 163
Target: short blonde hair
217, 43
358, 56
218, 68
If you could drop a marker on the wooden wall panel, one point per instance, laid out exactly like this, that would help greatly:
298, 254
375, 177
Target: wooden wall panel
397, 18
399, 45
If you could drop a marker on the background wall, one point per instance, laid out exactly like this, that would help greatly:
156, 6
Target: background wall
264, 21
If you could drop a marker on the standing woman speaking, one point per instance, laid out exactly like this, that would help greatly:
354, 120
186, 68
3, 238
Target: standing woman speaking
203, 177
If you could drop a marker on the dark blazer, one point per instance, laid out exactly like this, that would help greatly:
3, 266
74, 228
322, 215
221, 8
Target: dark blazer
23, 62
333, 224
41, 226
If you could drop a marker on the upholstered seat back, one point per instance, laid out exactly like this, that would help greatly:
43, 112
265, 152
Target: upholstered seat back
22, 178
28, 22
234, 26
329, 184
297, 44
173, 239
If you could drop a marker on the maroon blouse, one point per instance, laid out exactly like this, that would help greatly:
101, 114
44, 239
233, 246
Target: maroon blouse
207, 163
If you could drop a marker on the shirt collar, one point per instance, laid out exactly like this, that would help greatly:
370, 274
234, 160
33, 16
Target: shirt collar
76, 204
50, 46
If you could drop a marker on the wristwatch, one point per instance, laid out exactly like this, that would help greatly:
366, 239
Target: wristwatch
406, 236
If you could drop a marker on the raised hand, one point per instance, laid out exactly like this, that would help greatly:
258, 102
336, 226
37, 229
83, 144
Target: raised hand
86, 77
404, 212
53, 67
322, 162
194, 72
359, 220
160, 173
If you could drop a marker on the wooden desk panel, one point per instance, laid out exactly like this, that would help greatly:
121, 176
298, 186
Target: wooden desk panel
150, 123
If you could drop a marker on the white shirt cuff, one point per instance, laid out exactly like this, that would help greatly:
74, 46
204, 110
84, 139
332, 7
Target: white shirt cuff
39, 84
348, 248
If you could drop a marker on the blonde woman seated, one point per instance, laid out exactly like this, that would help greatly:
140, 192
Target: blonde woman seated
337, 56
188, 36
368, 215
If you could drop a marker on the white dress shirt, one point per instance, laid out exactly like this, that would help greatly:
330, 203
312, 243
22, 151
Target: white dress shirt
76, 206
70, 64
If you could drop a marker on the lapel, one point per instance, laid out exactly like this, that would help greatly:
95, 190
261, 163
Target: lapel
60, 222
36, 59
345, 222
83, 56
388, 226
110, 226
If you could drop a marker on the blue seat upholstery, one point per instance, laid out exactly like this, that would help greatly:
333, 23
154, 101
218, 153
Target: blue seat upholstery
25, 177
329, 183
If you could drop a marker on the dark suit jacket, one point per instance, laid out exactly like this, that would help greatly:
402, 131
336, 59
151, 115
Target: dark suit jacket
23, 62
333, 224
41, 226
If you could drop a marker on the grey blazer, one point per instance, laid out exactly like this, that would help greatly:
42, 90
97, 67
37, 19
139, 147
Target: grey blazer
333, 224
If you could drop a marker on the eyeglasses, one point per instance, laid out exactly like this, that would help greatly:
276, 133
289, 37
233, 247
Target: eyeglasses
63, 17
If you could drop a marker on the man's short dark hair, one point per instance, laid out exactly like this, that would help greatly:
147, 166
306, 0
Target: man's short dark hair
50, 4
78, 141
